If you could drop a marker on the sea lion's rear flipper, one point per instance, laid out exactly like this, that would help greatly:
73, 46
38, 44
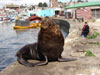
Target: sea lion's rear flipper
26, 63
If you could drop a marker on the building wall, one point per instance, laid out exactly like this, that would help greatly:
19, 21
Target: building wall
53, 3
50, 3
84, 13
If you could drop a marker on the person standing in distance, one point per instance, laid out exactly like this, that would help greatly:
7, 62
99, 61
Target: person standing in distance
85, 30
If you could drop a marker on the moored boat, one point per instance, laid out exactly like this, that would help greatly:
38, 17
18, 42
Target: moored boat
31, 22
32, 25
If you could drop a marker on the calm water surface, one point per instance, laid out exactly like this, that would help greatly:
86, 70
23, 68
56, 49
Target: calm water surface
12, 40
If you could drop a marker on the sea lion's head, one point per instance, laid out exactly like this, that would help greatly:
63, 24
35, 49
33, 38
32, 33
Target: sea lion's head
47, 23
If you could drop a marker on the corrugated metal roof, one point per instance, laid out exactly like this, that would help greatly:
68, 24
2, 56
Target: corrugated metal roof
80, 5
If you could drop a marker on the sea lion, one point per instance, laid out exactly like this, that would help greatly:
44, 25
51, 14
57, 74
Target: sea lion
50, 40
48, 48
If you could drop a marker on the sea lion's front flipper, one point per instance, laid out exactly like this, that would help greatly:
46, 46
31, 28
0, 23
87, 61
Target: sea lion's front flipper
65, 59
62, 60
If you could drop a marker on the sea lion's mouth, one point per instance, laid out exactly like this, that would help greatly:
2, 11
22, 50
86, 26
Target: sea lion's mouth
44, 26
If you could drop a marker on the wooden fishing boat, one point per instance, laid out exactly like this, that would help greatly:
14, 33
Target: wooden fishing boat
31, 22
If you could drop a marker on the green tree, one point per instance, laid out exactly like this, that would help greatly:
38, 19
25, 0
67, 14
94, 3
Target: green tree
45, 4
40, 4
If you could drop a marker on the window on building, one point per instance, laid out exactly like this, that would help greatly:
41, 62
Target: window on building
96, 13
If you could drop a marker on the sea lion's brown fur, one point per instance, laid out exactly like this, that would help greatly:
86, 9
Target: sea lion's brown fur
48, 48
50, 40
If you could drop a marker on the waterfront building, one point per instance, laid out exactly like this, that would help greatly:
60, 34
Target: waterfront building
53, 3
12, 6
84, 11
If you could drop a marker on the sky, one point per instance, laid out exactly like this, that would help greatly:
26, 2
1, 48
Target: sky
2, 2
23, 1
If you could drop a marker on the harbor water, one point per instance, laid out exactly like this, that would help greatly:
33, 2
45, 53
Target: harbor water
12, 40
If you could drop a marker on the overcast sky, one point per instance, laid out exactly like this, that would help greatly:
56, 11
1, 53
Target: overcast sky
23, 1
2, 2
